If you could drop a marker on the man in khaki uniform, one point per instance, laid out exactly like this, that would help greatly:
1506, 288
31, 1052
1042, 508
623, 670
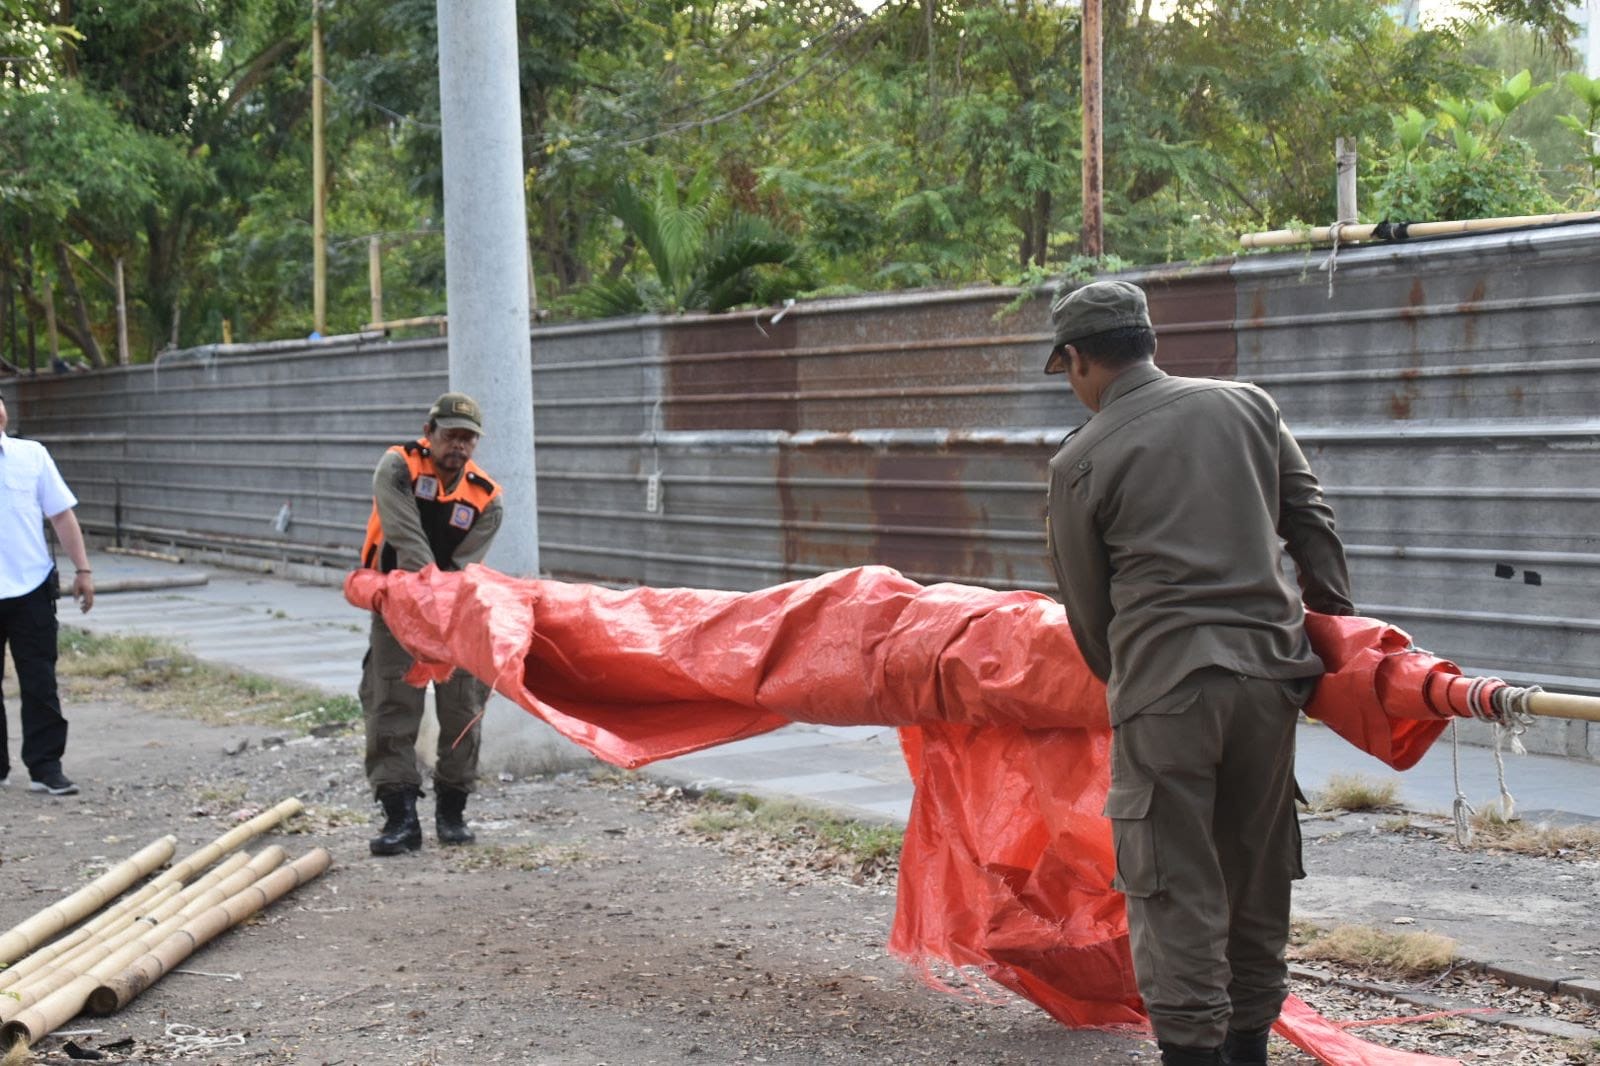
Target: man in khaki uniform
431, 504
1168, 514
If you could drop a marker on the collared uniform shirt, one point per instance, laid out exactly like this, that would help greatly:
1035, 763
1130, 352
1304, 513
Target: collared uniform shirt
31, 490
1169, 512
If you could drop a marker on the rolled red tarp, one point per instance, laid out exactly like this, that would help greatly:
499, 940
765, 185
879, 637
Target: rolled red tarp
1007, 862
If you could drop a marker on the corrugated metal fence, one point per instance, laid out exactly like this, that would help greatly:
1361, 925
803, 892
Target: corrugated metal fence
1446, 392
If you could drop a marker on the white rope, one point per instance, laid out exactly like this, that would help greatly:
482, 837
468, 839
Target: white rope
1331, 264
194, 1036
1460, 811
1489, 699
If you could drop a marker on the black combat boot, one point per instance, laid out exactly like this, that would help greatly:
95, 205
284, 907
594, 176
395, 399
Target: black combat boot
450, 817
1178, 1055
401, 830
1246, 1048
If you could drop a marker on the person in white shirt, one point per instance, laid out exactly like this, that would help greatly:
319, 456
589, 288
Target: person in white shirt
31, 491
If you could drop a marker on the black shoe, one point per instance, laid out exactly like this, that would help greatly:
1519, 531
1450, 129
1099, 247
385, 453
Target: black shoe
1178, 1055
54, 782
1246, 1048
449, 816
401, 830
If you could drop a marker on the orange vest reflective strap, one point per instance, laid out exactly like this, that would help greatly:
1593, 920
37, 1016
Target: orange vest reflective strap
447, 517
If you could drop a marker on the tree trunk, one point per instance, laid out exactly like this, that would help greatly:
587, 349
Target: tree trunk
80, 310
1042, 204
8, 312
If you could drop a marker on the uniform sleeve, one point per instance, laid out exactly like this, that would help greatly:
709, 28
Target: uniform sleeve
53, 495
475, 545
1083, 568
1305, 522
397, 510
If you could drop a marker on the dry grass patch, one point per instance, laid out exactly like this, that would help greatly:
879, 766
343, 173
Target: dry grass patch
797, 837
1356, 792
159, 675
1491, 830
1397, 954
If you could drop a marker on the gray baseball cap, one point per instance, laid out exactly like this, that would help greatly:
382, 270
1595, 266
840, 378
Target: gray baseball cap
1093, 308
456, 410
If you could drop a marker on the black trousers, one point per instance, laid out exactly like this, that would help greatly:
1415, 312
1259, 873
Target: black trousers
28, 626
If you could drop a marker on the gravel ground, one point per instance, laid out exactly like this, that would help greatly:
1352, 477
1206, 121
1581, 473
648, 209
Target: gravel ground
596, 922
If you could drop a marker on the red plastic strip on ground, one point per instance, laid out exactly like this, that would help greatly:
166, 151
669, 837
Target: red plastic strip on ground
1411, 1019
1332, 1046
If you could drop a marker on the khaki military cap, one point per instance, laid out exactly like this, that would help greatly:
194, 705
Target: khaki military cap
1093, 308
456, 410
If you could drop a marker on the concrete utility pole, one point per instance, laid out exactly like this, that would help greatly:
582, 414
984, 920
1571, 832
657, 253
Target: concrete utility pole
486, 268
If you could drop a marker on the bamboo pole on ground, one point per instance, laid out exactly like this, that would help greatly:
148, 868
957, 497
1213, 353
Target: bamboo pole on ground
67, 1002
1280, 238
23, 938
186, 867
117, 991
63, 1003
236, 873
37, 930
106, 923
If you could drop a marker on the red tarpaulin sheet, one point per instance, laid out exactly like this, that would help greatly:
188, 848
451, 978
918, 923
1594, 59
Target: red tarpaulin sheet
1007, 861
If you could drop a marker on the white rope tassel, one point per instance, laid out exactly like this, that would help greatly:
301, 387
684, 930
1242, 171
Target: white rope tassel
1460, 811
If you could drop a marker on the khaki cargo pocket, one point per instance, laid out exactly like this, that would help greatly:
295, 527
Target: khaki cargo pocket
1128, 807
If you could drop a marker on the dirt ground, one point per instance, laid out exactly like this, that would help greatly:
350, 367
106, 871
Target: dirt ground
590, 925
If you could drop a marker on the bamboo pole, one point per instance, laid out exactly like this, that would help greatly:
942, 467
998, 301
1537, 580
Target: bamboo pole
237, 872
106, 923
117, 991
52, 1010
1564, 705
186, 867
1280, 238
38, 929
375, 277
21, 939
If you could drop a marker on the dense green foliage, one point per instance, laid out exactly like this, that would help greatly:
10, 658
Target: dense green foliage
702, 154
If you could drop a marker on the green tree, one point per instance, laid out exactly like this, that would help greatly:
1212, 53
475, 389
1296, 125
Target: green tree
1460, 163
698, 263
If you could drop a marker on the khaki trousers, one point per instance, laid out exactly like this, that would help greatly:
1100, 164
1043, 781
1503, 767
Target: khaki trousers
1207, 842
392, 711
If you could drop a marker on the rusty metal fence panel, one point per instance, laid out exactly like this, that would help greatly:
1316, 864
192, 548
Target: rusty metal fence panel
1447, 392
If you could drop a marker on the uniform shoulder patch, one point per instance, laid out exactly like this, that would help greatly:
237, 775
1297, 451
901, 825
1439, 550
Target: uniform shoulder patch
479, 479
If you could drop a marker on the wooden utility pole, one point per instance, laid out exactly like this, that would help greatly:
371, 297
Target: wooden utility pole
1344, 149
1093, 235
122, 317
375, 277
319, 182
